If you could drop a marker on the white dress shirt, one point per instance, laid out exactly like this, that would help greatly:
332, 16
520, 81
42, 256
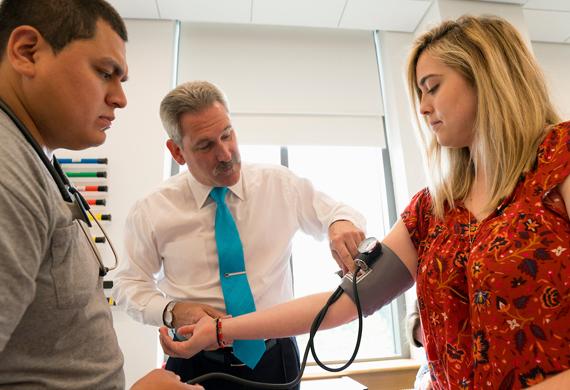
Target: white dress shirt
171, 247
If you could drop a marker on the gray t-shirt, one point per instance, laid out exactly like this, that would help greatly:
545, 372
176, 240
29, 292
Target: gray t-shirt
56, 328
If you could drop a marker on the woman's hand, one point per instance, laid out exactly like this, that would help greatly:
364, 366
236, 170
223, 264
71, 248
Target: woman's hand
201, 335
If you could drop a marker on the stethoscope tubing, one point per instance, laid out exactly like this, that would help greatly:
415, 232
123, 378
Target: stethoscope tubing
64, 186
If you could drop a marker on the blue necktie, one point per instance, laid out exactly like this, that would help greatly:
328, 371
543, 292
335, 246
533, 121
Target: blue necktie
237, 294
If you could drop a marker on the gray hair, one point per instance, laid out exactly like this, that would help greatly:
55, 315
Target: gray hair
191, 97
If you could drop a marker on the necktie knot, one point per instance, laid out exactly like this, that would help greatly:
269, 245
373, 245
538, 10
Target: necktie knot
218, 194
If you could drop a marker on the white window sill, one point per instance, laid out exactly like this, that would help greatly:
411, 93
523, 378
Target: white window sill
378, 366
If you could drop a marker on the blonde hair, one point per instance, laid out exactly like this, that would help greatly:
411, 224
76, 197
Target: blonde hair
191, 97
513, 107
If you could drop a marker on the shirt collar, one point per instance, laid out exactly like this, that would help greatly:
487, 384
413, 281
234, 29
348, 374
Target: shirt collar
201, 191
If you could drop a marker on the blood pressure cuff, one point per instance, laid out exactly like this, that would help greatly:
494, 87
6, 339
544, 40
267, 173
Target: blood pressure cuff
385, 280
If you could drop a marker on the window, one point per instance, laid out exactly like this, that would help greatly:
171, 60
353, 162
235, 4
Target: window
289, 87
353, 175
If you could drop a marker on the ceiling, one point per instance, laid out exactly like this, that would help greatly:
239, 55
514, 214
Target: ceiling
548, 20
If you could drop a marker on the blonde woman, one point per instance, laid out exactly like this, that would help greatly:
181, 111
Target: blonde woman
487, 242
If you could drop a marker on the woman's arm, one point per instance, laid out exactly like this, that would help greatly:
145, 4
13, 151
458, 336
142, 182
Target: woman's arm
288, 319
564, 189
398, 239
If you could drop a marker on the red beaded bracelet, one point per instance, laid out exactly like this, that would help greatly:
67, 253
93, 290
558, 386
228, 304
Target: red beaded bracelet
219, 335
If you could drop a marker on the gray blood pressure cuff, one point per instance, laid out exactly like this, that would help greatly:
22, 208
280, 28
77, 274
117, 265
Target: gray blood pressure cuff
386, 279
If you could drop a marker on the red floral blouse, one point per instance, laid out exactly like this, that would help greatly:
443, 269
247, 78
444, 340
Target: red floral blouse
494, 296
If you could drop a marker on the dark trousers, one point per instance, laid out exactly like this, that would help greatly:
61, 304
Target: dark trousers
279, 364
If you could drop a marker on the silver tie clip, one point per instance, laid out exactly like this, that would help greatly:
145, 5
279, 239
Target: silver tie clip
230, 274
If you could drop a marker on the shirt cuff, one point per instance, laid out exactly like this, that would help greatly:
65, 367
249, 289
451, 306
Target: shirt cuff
358, 222
155, 309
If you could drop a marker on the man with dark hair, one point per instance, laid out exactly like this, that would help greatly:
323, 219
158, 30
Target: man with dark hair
59, 21
61, 68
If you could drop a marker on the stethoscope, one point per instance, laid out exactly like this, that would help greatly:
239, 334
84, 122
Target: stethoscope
79, 207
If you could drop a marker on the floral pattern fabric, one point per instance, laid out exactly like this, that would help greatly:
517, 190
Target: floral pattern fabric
494, 295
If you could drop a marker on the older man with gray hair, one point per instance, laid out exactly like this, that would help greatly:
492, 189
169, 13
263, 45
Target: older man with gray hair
221, 234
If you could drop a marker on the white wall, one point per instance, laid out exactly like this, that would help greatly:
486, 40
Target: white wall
452, 9
136, 152
405, 154
554, 59
290, 85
